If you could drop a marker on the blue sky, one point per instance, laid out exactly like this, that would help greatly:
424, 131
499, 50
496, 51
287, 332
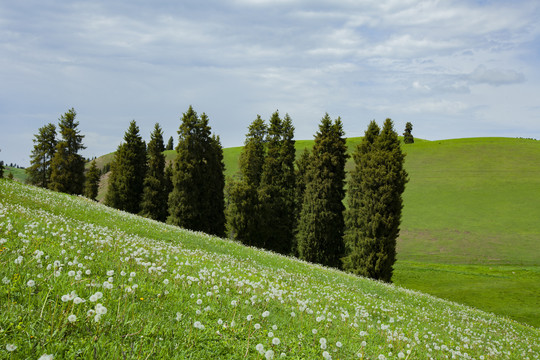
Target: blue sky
452, 68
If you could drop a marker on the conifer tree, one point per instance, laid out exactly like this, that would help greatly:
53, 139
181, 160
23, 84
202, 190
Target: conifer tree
39, 172
301, 178
91, 185
214, 198
170, 144
1, 169
375, 203
408, 138
67, 165
243, 211
155, 195
128, 170
321, 224
277, 188
197, 199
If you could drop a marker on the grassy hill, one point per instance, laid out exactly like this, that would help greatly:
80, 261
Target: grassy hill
18, 174
80, 280
470, 220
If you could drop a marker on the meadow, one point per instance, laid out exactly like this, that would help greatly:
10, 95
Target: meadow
470, 203
81, 280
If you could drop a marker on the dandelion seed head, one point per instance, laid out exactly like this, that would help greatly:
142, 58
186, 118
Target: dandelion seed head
31, 283
11, 347
269, 354
72, 318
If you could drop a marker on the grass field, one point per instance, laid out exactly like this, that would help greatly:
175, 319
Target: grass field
18, 174
80, 280
469, 202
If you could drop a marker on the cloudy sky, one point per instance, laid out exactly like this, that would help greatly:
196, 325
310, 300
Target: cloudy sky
452, 68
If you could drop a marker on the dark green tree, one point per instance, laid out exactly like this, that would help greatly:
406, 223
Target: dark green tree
244, 208
408, 138
197, 199
301, 178
155, 195
277, 188
170, 144
321, 224
67, 174
1, 169
39, 172
128, 170
375, 203
91, 185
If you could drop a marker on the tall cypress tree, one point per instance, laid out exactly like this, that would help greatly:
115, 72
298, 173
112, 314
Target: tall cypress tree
277, 188
197, 199
1, 169
128, 170
39, 172
155, 195
321, 224
67, 174
375, 203
243, 211
91, 185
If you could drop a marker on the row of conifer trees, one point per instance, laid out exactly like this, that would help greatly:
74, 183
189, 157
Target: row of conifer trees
278, 201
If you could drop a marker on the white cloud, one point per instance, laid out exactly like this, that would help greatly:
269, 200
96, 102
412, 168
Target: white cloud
115, 61
495, 77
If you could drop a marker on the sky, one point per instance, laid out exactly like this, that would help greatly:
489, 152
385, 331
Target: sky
452, 68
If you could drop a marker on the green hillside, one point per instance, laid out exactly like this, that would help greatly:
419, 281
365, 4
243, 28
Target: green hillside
472, 203
80, 280
18, 174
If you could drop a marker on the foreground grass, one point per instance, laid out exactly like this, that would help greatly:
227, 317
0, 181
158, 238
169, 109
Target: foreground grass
82, 280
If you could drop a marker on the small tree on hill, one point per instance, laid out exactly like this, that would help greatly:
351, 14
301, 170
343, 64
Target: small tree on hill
1, 169
408, 138
170, 144
277, 188
155, 195
67, 174
321, 224
39, 172
244, 208
128, 170
91, 186
197, 199
375, 203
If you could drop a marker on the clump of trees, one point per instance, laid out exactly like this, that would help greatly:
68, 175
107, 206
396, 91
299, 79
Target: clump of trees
56, 163
277, 202
375, 202
197, 200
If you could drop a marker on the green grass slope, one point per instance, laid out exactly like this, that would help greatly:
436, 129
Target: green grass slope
80, 280
18, 174
472, 201
469, 202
